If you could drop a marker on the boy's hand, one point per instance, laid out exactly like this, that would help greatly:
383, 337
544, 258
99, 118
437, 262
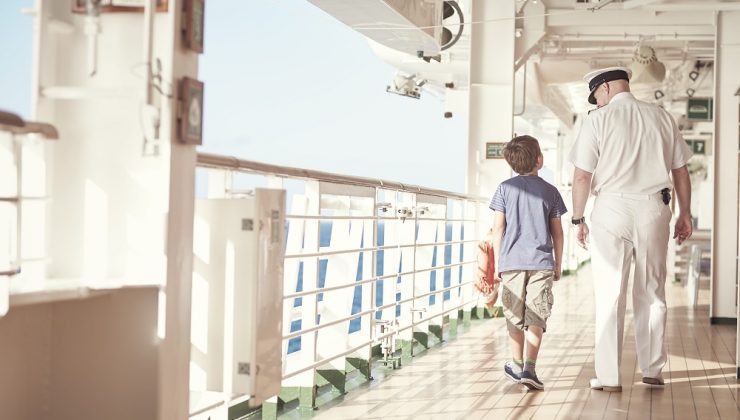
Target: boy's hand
557, 271
582, 235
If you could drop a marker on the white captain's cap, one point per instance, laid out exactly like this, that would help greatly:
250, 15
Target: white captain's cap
598, 77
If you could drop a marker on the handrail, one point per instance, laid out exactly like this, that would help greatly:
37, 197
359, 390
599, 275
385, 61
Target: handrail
11, 272
377, 338
229, 163
209, 160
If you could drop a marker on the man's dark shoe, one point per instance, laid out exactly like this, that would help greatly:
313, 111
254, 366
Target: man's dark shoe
510, 371
658, 380
531, 381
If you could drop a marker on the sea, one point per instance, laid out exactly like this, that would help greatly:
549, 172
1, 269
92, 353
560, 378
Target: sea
354, 325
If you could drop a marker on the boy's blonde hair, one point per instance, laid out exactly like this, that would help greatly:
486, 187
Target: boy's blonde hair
521, 154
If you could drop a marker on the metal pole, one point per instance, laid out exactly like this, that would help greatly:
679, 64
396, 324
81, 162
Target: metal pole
18, 152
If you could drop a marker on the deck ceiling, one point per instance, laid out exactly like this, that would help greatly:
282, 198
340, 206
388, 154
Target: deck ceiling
577, 40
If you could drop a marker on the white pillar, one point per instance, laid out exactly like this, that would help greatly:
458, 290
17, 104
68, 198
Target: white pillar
174, 369
491, 91
725, 230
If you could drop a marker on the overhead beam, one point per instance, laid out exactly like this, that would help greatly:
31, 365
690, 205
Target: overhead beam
713, 6
532, 32
631, 4
629, 18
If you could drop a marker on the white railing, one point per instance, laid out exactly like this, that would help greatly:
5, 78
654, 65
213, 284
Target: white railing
22, 194
332, 285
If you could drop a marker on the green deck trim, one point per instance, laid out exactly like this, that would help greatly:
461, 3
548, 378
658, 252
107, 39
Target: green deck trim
437, 331
362, 365
478, 313
453, 329
422, 338
406, 347
497, 312
269, 411
376, 351
466, 317
483, 312
334, 377
719, 320
578, 267
305, 395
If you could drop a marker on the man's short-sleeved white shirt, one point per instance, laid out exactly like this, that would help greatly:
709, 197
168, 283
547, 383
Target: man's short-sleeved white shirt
630, 146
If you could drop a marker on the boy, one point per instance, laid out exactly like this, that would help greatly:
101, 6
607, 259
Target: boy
526, 230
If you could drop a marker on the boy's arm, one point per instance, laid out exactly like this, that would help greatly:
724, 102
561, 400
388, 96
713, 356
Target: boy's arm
499, 225
556, 230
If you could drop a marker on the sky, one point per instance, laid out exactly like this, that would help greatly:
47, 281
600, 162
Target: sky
287, 84
15, 57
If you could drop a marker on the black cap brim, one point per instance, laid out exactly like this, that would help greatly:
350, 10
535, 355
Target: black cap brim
603, 78
591, 97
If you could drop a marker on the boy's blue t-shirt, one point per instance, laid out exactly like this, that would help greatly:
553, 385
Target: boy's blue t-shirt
528, 202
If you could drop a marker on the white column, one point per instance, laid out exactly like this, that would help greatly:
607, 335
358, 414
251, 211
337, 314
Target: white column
491, 107
725, 229
174, 386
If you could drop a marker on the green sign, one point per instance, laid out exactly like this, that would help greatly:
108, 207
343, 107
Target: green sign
495, 150
699, 147
700, 109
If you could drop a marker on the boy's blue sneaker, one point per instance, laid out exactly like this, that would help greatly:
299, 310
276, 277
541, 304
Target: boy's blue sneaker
531, 381
511, 371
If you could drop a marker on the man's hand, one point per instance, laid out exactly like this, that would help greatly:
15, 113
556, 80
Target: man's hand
558, 271
582, 235
684, 228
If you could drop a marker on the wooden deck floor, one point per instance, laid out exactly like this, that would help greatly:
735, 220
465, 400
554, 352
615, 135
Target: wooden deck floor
463, 378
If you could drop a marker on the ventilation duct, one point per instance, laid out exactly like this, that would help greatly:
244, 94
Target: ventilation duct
646, 68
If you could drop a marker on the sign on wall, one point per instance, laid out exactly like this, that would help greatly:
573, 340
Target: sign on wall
495, 150
700, 109
191, 113
194, 16
700, 146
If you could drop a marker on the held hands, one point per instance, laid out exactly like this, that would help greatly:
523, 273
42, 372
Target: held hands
684, 228
582, 235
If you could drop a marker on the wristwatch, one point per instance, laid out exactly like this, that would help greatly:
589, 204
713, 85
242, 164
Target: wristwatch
578, 221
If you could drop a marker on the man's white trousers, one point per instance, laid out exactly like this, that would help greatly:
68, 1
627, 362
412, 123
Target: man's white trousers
627, 228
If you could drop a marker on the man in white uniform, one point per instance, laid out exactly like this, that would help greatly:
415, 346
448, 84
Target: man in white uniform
626, 152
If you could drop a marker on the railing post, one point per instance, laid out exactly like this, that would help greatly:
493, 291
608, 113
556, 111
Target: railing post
455, 257
469, 248
364, 204
406, 236
374, 275
303, 386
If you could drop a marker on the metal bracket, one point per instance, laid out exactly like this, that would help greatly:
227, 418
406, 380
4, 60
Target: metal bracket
388, 344
421, 210
404, 213
384, 207
248, 224
244, 368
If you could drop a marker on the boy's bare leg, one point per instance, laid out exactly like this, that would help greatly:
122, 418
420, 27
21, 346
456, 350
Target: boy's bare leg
534, 338
516, 344
529, 376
